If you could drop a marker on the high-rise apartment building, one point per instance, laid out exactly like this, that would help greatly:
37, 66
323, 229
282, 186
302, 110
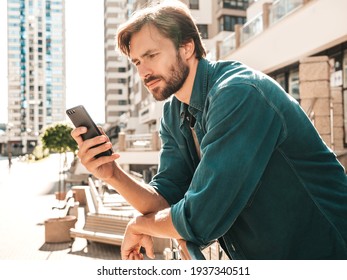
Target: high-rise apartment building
117, 69
124, 91
36, 68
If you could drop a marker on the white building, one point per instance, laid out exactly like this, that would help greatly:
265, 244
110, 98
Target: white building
117, 69
36, 69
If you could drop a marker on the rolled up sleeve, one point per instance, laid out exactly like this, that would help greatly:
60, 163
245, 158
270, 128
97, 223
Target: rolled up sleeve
175, 168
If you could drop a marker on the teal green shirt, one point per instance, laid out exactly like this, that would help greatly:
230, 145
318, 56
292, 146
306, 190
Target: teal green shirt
266, 183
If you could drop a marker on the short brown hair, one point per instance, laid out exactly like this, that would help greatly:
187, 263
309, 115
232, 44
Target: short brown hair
173, 20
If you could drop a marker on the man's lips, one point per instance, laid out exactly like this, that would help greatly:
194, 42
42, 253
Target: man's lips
152, 83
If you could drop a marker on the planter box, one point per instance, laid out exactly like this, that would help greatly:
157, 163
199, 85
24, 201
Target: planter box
57, 230
60, 195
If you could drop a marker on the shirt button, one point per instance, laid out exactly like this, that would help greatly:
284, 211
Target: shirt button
233, 247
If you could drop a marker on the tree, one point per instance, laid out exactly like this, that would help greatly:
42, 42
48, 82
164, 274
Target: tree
57, 138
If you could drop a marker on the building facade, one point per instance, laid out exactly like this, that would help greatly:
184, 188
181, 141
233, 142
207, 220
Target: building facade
117, 70
36, 69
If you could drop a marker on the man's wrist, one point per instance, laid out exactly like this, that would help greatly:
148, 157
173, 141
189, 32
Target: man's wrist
114, 179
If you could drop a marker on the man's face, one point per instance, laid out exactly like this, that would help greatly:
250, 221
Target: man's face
159, 64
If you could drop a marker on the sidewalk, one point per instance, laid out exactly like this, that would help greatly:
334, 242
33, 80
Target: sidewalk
26, 197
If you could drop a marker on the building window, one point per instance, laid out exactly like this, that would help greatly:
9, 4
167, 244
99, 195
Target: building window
281, 79
121, 81
234, 4
344, 77
194, 4
203, 30
227, 23
294, 84
344, 70
122, 102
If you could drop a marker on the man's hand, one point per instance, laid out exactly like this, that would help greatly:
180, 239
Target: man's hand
102, 167
132, 243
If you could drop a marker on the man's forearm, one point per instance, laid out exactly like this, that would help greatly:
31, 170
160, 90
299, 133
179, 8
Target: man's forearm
142, 197
157, 224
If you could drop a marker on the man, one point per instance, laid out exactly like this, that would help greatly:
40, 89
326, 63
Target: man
258, 177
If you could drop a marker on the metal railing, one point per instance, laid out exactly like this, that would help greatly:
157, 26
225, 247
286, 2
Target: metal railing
252, 28
281, 8
270, 15
227, 45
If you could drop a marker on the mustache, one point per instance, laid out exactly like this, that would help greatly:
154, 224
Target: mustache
151, 78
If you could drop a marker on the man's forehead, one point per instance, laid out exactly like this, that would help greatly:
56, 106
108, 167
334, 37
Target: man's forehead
145, 34
146, 40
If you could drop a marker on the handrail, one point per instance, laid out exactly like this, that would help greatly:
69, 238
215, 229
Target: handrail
252, 28
227, 45
282, 8
271, 15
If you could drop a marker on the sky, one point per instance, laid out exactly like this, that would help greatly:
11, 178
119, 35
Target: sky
84, 57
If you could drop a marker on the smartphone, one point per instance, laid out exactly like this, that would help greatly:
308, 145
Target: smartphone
80, 117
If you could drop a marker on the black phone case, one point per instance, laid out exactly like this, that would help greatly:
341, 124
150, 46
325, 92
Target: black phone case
80, 117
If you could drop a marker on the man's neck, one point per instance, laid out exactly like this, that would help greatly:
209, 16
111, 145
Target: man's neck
185, 92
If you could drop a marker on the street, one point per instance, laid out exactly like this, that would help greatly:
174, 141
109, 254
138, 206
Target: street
26, 198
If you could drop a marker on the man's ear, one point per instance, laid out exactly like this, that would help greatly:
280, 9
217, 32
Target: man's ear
188, 49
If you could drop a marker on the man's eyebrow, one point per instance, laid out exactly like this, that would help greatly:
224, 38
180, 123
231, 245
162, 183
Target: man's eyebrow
147, 53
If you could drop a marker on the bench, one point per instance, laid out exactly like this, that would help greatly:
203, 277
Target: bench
103, 228
103, 224
63, 218
76, 174
63, 208
107, 224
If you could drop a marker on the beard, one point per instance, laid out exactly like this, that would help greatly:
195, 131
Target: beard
174, 82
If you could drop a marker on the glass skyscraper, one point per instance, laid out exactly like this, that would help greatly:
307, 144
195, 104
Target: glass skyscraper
36, 65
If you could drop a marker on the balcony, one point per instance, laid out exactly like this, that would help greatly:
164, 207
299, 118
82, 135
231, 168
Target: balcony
285, 32
227, 45
251, 28
282, 8
138, 148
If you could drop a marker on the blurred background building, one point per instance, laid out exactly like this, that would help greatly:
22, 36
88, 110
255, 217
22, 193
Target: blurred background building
36, 71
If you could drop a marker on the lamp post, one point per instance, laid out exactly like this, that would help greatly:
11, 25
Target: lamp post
9, 146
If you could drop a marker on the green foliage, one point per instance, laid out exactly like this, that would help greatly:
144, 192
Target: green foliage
57, 138
39, 152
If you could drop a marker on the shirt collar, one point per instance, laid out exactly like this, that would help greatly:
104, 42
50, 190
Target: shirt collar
199, 92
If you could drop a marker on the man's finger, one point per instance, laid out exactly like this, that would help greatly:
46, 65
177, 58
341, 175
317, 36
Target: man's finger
76, 134
147, 243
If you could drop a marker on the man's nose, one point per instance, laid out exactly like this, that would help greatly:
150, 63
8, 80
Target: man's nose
144, 71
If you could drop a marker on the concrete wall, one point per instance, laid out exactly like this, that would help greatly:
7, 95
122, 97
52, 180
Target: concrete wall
322, 103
